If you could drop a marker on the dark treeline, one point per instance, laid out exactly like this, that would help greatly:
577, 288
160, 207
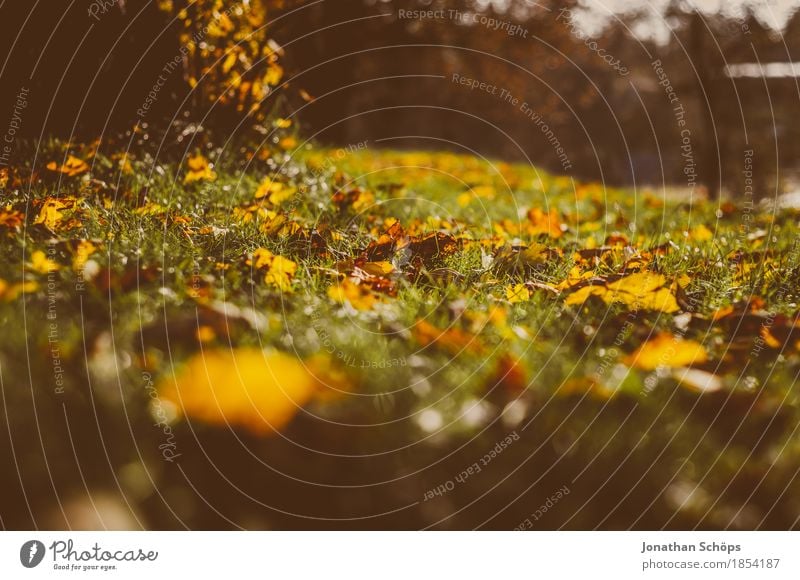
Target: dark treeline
618, 116
611, 107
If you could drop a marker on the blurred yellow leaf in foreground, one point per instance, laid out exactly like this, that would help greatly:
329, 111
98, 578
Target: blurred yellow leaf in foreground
668, 351
246, 387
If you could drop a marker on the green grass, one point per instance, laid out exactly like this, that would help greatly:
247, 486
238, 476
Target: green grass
161, 243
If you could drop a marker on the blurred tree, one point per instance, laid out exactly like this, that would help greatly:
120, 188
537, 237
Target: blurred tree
230, 58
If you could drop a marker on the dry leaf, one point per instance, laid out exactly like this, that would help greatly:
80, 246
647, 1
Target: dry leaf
50, 214
42, 264
517, 293
280, 271
199, 170
666, 350
71, 167
643, 290
453, 340
246, 387
359, 296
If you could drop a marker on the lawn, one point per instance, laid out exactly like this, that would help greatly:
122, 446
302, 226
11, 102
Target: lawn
290, 336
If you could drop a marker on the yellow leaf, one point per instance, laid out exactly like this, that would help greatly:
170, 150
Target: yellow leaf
544, 223
574, 277
701, 233
262, 258
280, 271
229, 61
71, 167
41, 263
638, 284
518, 293
245, 387
643, 290
50, 214
667, 351
357, 295
382, 268
84, 250
274, 191
582, 295
199, 170
10, 292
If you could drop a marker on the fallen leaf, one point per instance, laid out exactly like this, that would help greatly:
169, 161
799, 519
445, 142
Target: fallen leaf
71, 167
11, 218
50, 214
41, 263
199, 170
274, 191
246, 387
453, 339
643, 290
359, 296
83, 251
544, 223
381, 268
517, 293
667, 351
280, 271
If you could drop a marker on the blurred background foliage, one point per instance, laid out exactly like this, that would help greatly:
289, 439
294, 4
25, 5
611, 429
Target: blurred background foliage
354, 71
